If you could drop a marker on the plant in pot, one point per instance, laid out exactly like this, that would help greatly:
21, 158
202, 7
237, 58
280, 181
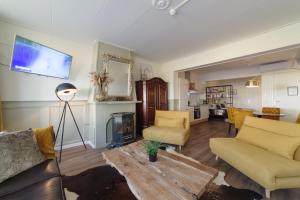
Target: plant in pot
152, 148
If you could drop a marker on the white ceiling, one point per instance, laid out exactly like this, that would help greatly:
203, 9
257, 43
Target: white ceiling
285, 55
151, 33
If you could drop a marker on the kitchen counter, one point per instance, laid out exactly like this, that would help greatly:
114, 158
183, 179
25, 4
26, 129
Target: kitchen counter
204, 113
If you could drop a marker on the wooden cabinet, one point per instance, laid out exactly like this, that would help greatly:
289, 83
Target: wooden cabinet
154, 96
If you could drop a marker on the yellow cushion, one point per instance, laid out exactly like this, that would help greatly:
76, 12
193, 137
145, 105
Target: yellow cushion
279, 127
170, 122
260, 165
44, 137
166, 135
174, 114
276, 143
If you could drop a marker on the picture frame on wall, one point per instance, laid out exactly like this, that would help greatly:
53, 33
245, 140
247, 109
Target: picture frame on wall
292, 91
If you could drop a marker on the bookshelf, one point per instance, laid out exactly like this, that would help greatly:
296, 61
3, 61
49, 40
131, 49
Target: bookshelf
221, 94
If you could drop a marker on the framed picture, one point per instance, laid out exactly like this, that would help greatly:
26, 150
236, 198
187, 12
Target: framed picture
292, 91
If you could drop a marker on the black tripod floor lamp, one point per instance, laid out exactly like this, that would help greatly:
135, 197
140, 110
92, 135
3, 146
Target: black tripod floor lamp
68, 91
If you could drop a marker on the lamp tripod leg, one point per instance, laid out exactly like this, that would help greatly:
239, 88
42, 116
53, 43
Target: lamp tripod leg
62, 136
62, 114
76, 125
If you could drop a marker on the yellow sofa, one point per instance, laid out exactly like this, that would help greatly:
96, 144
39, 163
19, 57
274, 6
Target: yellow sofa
171, 127
266, 151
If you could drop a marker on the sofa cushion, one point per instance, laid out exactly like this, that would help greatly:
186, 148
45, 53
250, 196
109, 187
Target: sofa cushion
174, 114
19, 152
280, 144
279, 127
170, 122
44, 137
40, 172
166, 135
49, 189
259, 164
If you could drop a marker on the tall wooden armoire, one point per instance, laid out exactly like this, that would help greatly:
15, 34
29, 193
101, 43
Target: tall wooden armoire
154, 96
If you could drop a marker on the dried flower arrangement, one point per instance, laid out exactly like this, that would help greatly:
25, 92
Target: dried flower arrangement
102, 80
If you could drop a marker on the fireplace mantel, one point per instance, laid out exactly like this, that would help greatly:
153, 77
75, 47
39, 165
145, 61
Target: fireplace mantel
116, 102
99, 113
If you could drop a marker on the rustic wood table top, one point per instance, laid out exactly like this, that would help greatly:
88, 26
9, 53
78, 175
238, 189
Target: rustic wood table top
173, 176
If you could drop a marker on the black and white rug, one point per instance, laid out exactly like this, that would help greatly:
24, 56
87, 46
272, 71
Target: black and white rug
105, 183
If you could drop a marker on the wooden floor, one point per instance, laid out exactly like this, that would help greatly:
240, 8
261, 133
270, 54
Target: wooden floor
76, 160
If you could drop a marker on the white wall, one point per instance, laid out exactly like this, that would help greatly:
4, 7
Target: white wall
23, 115
274, 90
29, 100
285, 36
245, 97
141, 64
18, 86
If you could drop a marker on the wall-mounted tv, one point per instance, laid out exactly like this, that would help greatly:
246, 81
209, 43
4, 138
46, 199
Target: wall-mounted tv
31, 57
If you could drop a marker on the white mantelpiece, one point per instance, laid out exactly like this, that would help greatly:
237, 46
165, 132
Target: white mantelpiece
99, 114
116, 102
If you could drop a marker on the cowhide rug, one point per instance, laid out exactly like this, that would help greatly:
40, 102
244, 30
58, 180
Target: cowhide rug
105, 183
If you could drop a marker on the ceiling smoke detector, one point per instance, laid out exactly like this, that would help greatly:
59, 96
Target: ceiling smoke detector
161, 4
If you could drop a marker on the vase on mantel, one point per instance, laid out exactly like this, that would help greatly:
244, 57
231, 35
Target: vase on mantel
102, 96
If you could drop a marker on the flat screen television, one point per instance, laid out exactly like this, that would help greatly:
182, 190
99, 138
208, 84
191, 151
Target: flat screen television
31, 57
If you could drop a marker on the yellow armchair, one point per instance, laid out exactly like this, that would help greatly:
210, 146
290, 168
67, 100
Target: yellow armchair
298, 119
230, 114
171, 127
239, 117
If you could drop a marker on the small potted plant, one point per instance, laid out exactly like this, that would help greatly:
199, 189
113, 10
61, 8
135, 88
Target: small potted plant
152, 148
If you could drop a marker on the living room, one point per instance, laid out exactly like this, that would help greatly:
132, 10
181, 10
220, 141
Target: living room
103, 65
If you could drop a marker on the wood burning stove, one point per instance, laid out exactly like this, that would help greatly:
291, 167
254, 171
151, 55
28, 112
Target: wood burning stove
122, 128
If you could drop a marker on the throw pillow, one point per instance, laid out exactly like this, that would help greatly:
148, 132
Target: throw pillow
44, 137
19, 152
170, 122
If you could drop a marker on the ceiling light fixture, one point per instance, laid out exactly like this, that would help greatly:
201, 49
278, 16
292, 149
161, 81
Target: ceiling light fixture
161, 4
253, 83
173, 11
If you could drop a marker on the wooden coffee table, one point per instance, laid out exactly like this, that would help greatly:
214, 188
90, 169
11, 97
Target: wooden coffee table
172, 176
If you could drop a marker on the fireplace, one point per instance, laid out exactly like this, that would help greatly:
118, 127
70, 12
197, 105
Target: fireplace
122, 128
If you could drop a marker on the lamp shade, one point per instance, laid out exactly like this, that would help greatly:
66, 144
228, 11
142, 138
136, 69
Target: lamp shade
252, 83
65, 89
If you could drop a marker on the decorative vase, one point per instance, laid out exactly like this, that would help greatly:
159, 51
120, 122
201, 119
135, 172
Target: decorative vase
153, 158
102, 96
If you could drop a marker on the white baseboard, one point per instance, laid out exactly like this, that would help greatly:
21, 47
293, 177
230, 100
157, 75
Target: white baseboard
67, 146
91, 144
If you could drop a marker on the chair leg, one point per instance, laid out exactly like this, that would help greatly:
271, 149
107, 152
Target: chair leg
236, 131
179, 148
268, 194
229, 128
